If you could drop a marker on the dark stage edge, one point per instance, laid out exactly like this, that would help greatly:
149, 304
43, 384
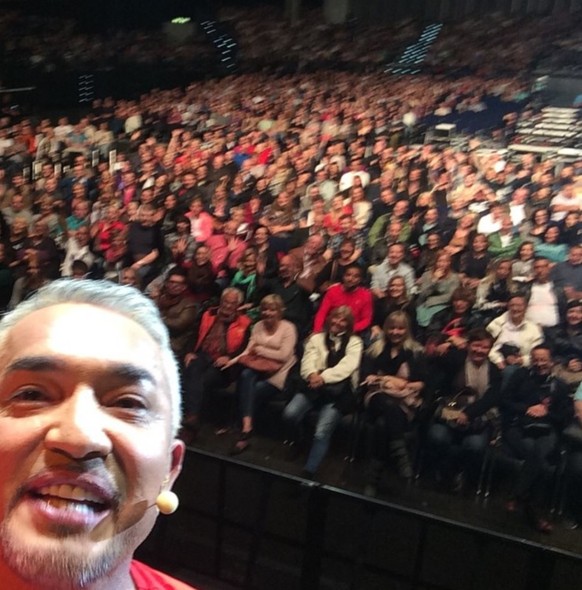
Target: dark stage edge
506, 538
488, 513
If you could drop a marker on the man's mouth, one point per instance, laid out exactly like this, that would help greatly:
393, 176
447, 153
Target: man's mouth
69, 497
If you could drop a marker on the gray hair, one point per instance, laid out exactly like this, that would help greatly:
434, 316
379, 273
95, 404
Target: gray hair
233, 291
124, 300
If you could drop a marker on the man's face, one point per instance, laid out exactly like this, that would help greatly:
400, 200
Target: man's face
541, 360
146, 217
82, 236
479, 350
395, 255
574, 315
286, 267
228, 306
352, 278
516, 308
541, 270
85, 443
17, 203
575, 255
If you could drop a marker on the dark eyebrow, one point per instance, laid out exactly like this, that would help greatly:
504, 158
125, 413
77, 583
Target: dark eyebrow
125, 371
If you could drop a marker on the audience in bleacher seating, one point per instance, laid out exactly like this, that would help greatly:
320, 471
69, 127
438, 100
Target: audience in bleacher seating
292, 206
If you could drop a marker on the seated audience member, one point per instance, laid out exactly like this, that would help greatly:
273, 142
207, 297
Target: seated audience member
474, 263
79, 270
273, 341
505, 242
435, 288
534, 410
227, 249
448, 328
565, 341
535, 228
267, 262
393, 265
567, 275
43, 249
347, 230
298, 309
428, 254
102, 231
468, 377
572, 436
77, 247
565, 201
351, 293
397, 299
280, 216
222, 334
546, 304
145, 244
129, 277
512, 328
333, 271
395, 376
571, 229
522, 267
494, 291
28, 284
462, 237
119, 450
329, 378
201, 224
201, 277
7, 277
180, 242
491, 222
550, 246
80, 216
311, 261
246, 279
178, 309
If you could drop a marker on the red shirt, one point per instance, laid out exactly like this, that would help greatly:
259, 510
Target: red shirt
146, 578
359, 300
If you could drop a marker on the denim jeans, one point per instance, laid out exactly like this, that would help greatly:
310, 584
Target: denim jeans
253, 388
327, 421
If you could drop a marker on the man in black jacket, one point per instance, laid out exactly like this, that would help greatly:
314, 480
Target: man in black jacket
534, 410
458, 446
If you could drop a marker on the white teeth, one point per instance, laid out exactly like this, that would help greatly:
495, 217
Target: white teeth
68, 492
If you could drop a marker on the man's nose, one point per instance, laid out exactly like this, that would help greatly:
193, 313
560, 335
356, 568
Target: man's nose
78, 430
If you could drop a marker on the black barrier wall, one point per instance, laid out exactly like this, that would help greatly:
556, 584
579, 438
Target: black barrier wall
260, 529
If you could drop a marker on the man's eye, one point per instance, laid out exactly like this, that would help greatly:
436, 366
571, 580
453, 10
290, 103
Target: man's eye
130, 403
29, 394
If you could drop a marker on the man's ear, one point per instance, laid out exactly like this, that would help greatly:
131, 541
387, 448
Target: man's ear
177, 451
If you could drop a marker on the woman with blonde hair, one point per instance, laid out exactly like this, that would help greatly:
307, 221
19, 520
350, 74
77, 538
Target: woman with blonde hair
267, 360
395, 377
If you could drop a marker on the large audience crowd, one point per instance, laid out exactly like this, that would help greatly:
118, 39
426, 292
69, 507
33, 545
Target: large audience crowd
299, 248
